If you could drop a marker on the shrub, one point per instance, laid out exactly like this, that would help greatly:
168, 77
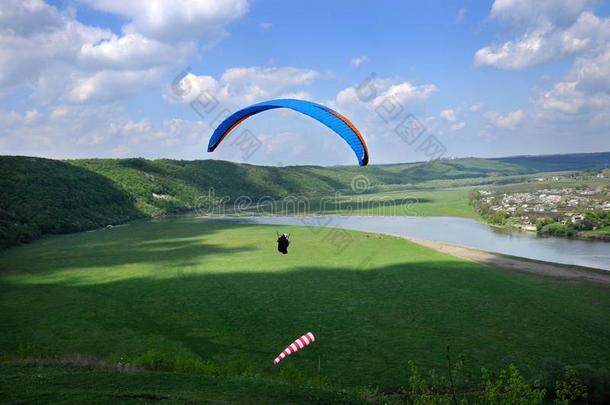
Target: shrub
497, 218
509, 387
569, 387
557, 229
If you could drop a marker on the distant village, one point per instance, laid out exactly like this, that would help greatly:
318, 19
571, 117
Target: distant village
585, 207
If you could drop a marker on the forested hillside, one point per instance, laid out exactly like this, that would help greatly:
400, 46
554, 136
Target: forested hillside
42, 196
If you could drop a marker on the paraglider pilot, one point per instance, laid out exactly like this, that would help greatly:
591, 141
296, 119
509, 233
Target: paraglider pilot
283, 242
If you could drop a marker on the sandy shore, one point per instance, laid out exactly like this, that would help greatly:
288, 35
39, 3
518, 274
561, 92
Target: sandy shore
546, 269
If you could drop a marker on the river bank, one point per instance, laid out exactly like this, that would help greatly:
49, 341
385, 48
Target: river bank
512, 263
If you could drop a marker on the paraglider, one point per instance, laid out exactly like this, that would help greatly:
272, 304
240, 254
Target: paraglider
283, 242
332, 119
297, 345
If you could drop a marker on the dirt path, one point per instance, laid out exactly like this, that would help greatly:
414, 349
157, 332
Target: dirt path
520, 264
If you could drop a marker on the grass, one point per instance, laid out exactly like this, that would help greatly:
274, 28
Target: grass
215, 299
443, 202
31, 383
602, 233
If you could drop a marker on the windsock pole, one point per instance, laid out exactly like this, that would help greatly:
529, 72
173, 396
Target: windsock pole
295, 346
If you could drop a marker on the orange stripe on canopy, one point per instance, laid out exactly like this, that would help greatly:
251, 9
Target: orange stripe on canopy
347, 122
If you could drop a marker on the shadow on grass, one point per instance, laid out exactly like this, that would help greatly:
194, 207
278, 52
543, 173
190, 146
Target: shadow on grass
171, 241
368, 322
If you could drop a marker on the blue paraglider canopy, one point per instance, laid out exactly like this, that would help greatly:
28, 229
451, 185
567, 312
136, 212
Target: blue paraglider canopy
332, 119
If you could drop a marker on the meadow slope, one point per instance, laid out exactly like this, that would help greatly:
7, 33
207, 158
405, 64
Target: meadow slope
215, 298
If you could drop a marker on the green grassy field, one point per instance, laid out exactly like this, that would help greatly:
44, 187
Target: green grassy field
442, 202
215, 298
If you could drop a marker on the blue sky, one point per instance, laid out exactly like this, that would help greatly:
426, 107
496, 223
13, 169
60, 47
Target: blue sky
92, 78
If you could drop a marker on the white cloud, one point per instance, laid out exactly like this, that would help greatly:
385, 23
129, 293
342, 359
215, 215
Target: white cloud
265, 26
245, 85
508, 121
407, 93
551, 29
457, 126
104, 131
32, 116
593, 72
548, 30
61, 59
358, 60
526, 13
174, 20
26, 17
377, 105
565, 97
383, 90
448, 115
585, 89
111, 85
132, 51
39, 40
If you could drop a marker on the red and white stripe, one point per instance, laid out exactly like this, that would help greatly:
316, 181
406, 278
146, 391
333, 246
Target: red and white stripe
297, 345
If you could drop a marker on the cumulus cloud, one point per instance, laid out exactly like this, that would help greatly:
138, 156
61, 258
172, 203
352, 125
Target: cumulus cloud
585, 89
132, 51
550, 30
383, 91
508, 121
358, 60
457, 126
111, 85
378, 105
106, 131
174, 20
36, 38
448, 115
243, 85
524, 12
547, 30
61, 59
75, 76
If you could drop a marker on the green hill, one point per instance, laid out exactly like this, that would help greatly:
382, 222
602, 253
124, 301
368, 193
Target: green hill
42, 196
550, 163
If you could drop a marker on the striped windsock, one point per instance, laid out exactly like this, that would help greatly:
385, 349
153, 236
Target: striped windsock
297, 345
